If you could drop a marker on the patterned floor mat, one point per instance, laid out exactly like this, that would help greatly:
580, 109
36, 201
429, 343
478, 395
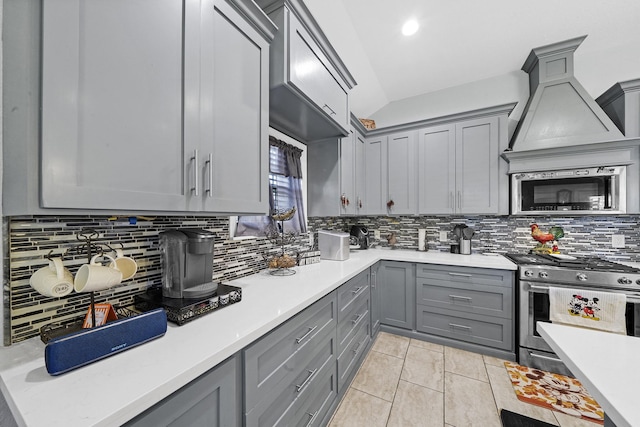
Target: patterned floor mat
554, 391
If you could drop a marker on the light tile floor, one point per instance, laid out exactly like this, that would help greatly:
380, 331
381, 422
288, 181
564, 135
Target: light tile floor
405, 382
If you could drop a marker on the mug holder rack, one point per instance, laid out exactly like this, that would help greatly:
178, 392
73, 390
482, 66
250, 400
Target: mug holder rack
89, 247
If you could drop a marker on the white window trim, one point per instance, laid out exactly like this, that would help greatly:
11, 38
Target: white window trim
233, 220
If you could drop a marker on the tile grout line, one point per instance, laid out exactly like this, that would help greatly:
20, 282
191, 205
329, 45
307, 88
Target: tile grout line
395, 393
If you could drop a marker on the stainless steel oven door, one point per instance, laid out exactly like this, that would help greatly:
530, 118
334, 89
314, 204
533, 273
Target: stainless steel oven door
534, 307
533, 351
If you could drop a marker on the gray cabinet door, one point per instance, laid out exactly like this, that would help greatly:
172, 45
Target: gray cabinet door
311, 73
401, 173
397, 290
112, 105
477, 167
232, 125
375, 299
348, 198
436, 174
360, 181
375, 173
212, 400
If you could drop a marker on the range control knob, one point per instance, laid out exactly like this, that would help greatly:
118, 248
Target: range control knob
625, 281
638, 282
581, 277
543, 274
528, 273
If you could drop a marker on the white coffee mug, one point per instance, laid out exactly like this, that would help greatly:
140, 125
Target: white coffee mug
128, 266
53, 280
96, 277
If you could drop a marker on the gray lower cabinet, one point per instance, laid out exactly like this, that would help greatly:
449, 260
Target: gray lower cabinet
375, 299
354, 325
129, 126
290, 364
474, 305
396, 283
212, 400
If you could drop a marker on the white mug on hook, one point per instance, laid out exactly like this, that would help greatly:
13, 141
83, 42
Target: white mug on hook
127, 265
96, 277
52, 281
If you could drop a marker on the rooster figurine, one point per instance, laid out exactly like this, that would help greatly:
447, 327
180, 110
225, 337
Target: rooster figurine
554, 234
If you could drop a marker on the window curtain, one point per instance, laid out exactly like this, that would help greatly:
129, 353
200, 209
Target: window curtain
285, 191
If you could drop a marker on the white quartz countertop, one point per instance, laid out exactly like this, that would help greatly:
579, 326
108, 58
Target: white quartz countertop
112, 391
605, 363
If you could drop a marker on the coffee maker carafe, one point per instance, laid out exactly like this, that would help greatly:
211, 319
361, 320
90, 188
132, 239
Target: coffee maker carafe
187, 263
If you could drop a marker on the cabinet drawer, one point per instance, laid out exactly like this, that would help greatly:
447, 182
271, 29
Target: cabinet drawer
470, 298
484, 330
315, 408
281, 402
280, 355
350, 291
350, 324
348, 359
477, 276
311, 73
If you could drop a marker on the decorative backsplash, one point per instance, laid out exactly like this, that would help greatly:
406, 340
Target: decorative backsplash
583, 235
30, 239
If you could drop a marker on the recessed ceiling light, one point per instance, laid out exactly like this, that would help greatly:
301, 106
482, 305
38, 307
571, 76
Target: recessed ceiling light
410, 27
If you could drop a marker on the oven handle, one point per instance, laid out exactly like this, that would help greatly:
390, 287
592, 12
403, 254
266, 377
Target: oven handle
545, 289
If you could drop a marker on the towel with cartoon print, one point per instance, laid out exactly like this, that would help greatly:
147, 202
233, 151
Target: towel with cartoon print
588, 309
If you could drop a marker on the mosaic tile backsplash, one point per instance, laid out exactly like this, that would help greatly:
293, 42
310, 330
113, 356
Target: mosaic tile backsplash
31, 239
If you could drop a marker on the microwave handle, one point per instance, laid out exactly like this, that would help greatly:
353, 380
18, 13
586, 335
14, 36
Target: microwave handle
609, 193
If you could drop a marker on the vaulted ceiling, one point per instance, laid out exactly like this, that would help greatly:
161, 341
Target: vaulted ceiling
462, 41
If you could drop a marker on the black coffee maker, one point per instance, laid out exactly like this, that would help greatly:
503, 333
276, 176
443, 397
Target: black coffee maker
359, 236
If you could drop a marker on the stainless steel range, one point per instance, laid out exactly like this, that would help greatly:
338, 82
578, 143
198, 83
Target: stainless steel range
536, 273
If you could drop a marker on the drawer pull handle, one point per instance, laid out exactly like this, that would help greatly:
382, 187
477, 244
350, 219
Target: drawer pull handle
459, 275
454, 297
300, 387
313, 417
357, 348
455, 326
357, 319
302, 338
356, 290
332, 113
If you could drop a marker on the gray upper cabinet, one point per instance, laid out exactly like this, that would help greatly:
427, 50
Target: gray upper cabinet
352, 180
375, 176
390, 174
232, 126
460, 170
144, 108
437, 174
309, 82
477, 172
401, 173
336, 176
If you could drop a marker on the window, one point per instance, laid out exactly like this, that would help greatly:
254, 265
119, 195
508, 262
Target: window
286, 190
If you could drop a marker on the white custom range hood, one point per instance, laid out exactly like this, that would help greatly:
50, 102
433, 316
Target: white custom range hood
562, 125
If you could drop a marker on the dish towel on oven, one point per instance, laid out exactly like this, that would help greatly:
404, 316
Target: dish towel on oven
589, 309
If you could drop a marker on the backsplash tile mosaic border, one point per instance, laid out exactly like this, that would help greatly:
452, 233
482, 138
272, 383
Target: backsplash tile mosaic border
29, 239
583, 235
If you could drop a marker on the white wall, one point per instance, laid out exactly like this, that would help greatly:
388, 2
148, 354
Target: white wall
513, 87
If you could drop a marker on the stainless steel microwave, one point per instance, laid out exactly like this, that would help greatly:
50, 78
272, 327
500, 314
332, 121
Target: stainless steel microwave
599, 190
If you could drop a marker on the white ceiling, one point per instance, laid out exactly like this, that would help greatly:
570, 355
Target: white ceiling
462, 41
